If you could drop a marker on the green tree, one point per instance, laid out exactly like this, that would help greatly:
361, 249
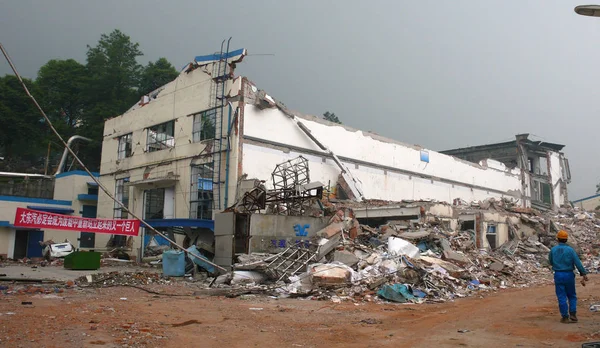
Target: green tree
23, 132
114, 74
114, 71
157, 74
331, 117
62, 84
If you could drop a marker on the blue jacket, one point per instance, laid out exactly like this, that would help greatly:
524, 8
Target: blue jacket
564, 259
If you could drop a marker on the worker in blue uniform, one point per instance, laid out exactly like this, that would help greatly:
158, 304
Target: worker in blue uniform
564, 260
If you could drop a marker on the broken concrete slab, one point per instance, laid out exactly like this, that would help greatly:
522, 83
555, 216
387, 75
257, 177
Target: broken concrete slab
445, 244
327, 245
345, 257
452, 269
496, 266
335, 228
453, 256
414, 235
330, 274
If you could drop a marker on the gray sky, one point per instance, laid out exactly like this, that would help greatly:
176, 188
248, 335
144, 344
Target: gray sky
441, 74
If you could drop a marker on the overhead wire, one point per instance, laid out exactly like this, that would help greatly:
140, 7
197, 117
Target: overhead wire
85, 168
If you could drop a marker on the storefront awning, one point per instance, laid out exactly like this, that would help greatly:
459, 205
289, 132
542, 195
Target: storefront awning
210, 224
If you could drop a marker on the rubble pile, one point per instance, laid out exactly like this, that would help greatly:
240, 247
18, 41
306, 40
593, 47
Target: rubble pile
119, 278
583, 228
422, 262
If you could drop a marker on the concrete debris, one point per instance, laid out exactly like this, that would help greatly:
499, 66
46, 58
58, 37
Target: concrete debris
455, 257
117, 278
334, 273
424, 259
345, 257
247, 277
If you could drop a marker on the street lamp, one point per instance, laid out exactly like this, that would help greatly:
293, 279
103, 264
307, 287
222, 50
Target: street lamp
588, 10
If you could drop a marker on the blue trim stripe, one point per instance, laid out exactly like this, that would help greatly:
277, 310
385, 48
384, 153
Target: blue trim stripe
76, 172
216, 56
4, 223
34, 200
55, 210
86, 197
586, 198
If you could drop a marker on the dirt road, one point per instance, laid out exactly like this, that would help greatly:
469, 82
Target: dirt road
100, 318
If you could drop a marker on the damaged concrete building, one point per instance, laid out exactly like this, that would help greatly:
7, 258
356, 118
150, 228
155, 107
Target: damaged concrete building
543, 167
204, 141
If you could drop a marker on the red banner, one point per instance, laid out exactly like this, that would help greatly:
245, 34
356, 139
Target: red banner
39, 219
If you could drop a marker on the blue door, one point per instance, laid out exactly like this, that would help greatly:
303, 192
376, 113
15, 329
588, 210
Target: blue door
34, 249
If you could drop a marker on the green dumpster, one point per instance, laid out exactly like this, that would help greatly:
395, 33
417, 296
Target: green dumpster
83, 260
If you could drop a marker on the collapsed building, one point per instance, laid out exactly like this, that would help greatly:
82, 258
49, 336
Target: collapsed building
544, 169
212, 160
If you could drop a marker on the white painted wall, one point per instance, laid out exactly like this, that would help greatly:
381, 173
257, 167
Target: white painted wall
271, 125
556, 175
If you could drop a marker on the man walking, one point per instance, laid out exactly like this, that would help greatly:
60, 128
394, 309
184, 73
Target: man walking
563, 260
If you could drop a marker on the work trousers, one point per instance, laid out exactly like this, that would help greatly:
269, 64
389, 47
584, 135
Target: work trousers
564, 283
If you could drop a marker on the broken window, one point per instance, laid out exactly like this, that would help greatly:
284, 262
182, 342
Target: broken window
161, 136
542, 192
201, 195
546, 196
543, 168
491, 236
122, 195
124, 150
204, 125
566, 171
154, 203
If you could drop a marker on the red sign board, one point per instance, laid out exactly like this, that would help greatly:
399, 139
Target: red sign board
38, 219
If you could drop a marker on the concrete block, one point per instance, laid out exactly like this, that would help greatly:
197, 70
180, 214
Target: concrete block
329, 245
497, 266
455, 257
331, 230
345, 257
329, 274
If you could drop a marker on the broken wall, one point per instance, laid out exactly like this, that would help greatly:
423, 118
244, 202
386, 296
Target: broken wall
388, 170
273, 233
558, 199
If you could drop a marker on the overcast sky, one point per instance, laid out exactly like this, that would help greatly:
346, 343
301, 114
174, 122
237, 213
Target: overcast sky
441, 74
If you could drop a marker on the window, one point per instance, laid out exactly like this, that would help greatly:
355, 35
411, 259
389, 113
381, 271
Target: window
543, 166
93, 190
154, 202
161, 136
121, 194
204, 125
201, 201
491, 236
124, 146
